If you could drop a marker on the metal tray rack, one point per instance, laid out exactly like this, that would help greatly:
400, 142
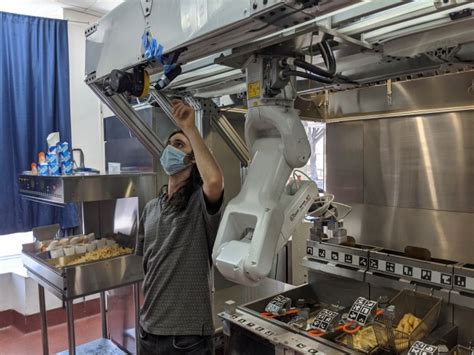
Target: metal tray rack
71, 282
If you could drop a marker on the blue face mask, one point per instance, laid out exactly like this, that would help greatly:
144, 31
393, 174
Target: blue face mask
172, 160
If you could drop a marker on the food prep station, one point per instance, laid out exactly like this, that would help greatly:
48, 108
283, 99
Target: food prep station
116, 279
396, 275
105, 201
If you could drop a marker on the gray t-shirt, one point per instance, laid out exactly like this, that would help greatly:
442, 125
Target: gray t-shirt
176, 248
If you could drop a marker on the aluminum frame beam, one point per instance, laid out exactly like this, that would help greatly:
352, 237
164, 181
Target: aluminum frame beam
127, 115
218, 121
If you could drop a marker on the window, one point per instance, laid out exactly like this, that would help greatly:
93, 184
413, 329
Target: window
316, 166
12, 243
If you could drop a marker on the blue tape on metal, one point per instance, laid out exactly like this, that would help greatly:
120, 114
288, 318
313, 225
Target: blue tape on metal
153, 50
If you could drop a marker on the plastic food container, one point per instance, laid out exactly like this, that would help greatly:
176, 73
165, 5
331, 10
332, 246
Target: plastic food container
111, 243
80, 248
100, 243
53, 245
56, 253
69, 250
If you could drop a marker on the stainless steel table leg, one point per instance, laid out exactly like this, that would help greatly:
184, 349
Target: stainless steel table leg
136, 303
70, 327
103, 315
44, 320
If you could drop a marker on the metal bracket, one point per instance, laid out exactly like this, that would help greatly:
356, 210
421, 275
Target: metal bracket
91, 30
119, 105
146, 7
91, 78
218, 121
222, 125
389, 92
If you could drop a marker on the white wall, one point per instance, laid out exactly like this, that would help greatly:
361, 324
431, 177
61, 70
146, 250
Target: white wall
22, 295
6, 295
86, 121
44, 8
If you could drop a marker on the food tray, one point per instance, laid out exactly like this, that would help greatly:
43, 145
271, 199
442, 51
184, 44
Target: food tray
65, 261
82, 279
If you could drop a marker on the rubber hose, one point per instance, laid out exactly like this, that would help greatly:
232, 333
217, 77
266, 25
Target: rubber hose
312, 68
331, 59
309, 76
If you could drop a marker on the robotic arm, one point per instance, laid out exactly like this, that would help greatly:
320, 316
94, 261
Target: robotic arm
260, 219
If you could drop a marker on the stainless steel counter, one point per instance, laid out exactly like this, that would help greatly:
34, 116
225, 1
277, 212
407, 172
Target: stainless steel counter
76, 281
244, 294
81, 280
84, 188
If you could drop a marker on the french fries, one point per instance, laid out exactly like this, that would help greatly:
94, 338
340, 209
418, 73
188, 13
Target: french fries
364, 340
100, 254
408, 323
406, 326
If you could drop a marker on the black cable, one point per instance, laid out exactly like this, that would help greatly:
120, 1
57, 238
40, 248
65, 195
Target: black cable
280, 17
324, 54
331, 64
346, 80
276, 267
312, 68
309, 76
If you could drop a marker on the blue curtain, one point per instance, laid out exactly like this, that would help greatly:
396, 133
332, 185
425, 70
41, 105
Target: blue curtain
34, 84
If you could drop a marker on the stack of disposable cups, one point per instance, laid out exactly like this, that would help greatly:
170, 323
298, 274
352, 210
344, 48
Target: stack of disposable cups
65, 158
53, 161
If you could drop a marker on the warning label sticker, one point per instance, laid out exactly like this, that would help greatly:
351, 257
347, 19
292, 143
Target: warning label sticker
253, 90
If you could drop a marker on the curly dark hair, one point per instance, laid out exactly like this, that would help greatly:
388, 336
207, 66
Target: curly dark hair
180, 198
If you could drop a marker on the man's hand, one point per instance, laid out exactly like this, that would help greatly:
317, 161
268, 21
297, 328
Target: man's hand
211, 174
183, 114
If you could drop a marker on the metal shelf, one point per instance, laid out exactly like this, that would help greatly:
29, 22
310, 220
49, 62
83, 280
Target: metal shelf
97, 347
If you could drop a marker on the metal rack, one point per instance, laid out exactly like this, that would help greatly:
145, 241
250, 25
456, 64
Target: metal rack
111, 197
81, 280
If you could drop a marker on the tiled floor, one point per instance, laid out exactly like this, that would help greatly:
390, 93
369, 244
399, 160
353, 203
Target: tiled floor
13, 342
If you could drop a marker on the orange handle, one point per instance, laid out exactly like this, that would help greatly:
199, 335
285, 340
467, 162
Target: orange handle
267, 315
345, 329
316, 333
290, 312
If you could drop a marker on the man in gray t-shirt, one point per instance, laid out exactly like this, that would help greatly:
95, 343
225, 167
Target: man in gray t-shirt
176, 237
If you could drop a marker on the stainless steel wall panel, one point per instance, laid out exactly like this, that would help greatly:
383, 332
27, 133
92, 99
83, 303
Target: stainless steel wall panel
420, 162
345, 157
448, 235
431, 93
416, 181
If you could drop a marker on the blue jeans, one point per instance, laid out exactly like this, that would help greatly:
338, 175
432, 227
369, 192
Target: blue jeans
150, 344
